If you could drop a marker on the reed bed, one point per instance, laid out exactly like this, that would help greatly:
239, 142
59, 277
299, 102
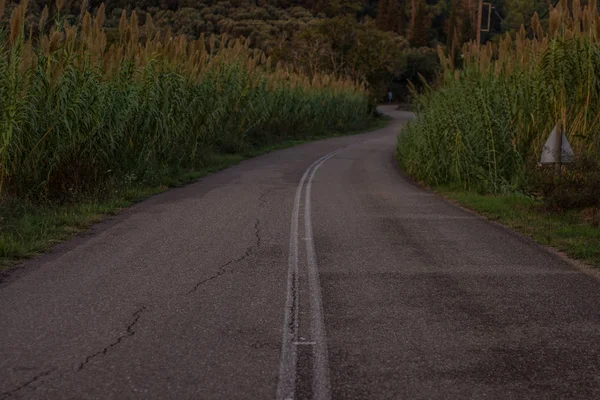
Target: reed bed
78, 111
484, 127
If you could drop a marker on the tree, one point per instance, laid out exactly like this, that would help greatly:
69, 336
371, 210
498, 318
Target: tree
382, 10
344, 47
520, 12
451, 36
333, 8
388, 17
420, 25
459, 28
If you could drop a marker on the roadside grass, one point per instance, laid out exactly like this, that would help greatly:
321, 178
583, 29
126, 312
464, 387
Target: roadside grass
27, 229
571, 232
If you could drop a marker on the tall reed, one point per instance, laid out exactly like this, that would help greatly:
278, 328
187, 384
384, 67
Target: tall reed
486, 125
78, 111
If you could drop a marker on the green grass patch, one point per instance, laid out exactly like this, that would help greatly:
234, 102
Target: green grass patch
570, 232
29, 229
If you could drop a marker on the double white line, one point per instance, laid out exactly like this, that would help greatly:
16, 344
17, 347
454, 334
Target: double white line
288, 366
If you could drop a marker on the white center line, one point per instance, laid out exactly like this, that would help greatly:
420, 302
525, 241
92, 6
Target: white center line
321, 389
288, 364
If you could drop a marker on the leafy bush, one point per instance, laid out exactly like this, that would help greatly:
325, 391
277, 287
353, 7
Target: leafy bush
421, 65
576, 187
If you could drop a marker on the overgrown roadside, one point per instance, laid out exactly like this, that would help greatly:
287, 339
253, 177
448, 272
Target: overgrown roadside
28, 229
484, 125
575, 233
94, 118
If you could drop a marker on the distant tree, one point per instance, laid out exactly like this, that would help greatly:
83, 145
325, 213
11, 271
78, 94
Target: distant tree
520, 12
420, 25
459, 28
413, 15
452, 37
382, 10
401, 26
387, 15
333, 8
344, 47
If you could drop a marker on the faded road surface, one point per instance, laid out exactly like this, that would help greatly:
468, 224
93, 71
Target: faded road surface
304, 273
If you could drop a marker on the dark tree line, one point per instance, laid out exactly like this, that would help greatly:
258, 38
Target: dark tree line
385, 42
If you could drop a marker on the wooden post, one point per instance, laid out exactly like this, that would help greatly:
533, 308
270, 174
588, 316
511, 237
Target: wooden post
479, 18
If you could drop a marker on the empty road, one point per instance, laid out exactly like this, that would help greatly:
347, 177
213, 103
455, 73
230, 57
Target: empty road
315, 272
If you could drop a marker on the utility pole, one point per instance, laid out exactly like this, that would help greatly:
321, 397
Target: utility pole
479, 17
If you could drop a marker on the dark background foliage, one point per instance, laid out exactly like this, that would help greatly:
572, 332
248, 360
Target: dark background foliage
382, 42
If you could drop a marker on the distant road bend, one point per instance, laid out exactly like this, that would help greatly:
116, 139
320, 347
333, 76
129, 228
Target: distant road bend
315, 272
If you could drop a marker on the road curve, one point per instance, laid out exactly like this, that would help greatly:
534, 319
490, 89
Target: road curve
314, 272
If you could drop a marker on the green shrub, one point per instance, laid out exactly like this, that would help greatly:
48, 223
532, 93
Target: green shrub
576, 187
485, 126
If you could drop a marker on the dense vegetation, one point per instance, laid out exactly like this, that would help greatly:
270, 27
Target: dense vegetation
387, 42
485, 126
265, 22
78, 114
100, 106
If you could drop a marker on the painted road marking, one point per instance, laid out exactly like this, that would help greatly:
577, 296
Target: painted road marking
317, 323
289, 356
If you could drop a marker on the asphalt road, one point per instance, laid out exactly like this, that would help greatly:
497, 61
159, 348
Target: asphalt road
296, 276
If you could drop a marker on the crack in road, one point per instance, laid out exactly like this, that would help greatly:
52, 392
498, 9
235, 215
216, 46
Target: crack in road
257, 232
264, 194
129, 332
222, 270
8, 394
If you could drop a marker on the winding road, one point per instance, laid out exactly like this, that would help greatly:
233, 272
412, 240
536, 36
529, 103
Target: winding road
315, 272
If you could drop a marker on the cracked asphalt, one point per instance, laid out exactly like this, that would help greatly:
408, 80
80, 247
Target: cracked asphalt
182, 296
